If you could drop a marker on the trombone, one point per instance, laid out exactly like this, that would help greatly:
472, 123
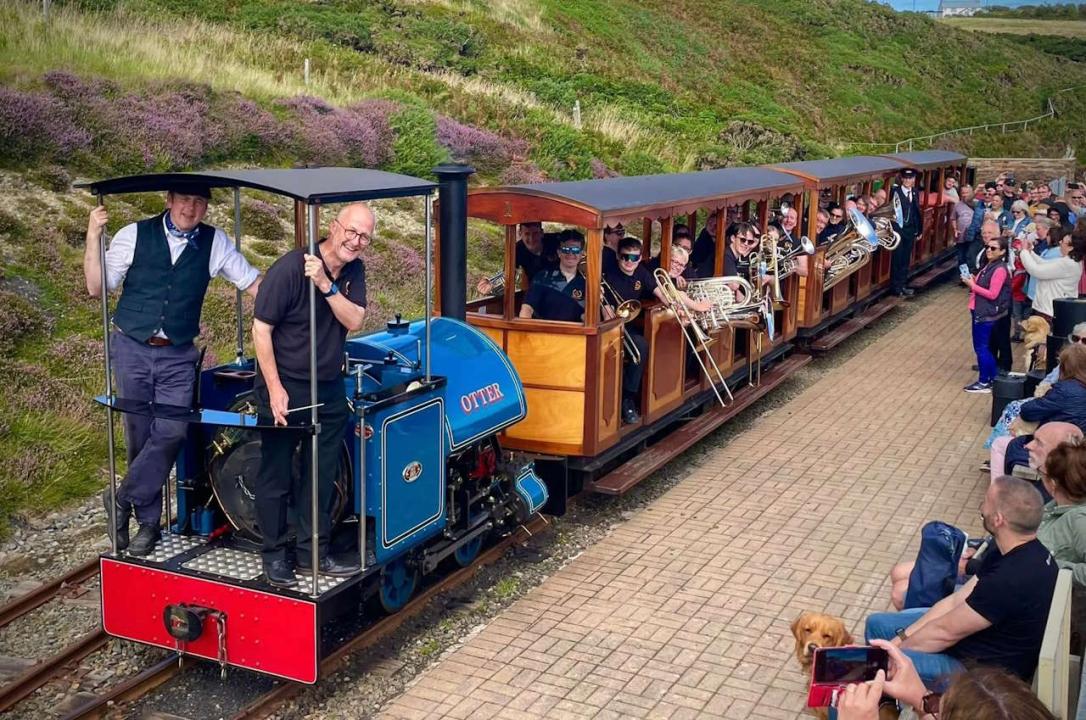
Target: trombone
695, 336
626, 310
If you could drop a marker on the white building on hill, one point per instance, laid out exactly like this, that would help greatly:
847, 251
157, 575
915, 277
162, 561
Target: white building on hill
958, 8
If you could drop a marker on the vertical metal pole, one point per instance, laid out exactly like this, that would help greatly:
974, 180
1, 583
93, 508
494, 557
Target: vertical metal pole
428, 201
240, 354
314, 514
360, 413
110, 442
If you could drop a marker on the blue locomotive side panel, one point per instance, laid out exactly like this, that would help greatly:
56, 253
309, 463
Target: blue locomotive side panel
405, 473
483, 393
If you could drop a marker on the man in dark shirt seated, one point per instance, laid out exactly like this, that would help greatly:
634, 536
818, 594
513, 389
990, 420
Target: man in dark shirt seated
631, 280
998, 618
558, 294
612, 236
836, 223
703, 253
532, 255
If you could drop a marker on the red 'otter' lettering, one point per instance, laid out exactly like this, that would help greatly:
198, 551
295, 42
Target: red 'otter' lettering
475, 399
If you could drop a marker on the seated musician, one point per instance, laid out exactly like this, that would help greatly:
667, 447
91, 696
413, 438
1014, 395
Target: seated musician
612, 236
558, 293
836, 223
790, 237
680, 238
704, 250
531, 255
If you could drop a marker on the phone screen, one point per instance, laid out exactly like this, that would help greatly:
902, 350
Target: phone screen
848, 664
964, 270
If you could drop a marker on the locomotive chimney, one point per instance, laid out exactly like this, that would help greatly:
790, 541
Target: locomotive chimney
453, 222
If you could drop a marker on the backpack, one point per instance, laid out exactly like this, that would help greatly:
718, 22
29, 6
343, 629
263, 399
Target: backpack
936, 570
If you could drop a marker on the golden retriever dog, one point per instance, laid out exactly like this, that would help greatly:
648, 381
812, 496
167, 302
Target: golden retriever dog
814, 630
1035, 331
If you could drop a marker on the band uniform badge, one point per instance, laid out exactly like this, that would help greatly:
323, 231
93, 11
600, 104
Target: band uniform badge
577, 294
637, 285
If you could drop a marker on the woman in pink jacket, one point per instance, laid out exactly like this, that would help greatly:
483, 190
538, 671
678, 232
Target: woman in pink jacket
989, 301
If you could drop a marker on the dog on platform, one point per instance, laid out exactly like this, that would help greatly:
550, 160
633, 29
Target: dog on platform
1035, 331
814, 630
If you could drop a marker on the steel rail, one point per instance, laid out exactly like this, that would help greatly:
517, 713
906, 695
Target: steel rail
131, 689
23, 604
267, 704
43, 671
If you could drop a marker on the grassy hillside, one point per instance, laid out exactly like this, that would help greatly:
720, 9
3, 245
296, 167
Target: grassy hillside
1014, 26
122, 86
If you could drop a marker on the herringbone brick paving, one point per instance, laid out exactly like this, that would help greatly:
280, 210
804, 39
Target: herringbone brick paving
683, 611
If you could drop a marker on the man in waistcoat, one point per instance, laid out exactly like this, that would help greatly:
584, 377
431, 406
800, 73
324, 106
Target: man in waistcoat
163, 265
911, 227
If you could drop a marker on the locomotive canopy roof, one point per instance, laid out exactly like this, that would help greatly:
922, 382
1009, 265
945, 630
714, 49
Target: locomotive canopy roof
309, 185
599, 200
924, 159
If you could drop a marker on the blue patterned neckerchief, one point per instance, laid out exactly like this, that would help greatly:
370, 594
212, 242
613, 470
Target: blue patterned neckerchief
188, 236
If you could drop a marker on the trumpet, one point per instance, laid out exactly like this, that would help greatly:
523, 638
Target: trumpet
496, 283
626, 310
787, 260
695, 336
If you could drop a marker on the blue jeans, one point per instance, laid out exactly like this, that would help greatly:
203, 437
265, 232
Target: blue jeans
934, 669
982, 335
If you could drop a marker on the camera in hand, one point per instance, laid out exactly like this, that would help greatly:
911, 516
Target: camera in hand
834, 668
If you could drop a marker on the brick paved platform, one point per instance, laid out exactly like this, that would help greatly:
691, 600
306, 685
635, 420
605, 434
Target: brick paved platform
683, 611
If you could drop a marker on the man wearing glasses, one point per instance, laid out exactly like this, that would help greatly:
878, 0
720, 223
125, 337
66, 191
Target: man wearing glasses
532, 255
911, 227
558, 294
835, 215
281, 332
163, 265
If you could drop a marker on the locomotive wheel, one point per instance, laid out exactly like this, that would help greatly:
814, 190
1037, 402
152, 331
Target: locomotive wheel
398, 583
465, 554
234, 460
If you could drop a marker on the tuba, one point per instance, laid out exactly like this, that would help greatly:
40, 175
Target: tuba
883, 219
850, 250
726, 309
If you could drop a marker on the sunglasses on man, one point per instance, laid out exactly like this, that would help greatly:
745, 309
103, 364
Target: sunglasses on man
630, 257
570, 250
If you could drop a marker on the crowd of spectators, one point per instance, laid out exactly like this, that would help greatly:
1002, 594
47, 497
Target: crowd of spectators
973, 653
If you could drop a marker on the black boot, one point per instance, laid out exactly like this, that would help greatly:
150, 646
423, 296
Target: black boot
279, 574
629, 413
120, 517
329, 566
145, 540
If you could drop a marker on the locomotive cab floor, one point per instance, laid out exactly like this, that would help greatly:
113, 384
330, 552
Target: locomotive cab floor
232, 562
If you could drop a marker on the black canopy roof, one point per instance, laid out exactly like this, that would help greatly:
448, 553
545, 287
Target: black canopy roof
842, 168
928, 158
616, 195
310, 185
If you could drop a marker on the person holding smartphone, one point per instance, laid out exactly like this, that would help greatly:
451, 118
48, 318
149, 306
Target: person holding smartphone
981, 692
989, 301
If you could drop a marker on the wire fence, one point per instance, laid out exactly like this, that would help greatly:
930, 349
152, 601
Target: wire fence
1004, 127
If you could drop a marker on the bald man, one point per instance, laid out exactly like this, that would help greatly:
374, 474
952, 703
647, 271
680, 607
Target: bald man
281, 333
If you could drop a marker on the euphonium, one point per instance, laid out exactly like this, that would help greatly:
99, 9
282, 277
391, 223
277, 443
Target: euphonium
725, 309
850, 250
889, 238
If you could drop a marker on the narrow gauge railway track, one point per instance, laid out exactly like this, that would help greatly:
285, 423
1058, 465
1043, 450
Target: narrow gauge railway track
139, 686
41, 672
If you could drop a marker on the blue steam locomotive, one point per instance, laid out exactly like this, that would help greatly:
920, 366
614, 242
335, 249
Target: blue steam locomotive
422, 476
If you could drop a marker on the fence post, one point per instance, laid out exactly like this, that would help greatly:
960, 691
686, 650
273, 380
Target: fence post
306, 71
45, 10
577, 114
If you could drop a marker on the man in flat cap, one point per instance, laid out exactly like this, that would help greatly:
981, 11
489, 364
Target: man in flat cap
163, 265
912, 225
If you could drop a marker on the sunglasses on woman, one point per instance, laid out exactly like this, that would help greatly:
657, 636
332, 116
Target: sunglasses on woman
1078, 338
994, 248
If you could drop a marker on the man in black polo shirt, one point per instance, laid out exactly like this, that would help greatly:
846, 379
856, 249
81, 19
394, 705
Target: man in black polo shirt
281, 334
997, 618
558, 294
533, 254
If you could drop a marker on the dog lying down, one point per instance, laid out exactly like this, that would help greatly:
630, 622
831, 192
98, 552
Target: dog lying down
814, 630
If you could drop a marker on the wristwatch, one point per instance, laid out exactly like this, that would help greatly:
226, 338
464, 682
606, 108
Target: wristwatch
901, 634
331, 290
930, 704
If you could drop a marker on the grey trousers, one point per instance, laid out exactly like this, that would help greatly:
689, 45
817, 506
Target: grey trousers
162, 375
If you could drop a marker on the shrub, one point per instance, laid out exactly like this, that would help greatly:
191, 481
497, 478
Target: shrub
415, 150
261, 219
325, 135
485, 150
35, 126
600, 169
522, 173
19, 319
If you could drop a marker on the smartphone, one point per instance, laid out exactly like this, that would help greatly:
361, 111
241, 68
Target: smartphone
963, 269
844, 665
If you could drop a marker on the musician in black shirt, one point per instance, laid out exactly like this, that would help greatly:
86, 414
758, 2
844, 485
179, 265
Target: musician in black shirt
558, 294
531, 255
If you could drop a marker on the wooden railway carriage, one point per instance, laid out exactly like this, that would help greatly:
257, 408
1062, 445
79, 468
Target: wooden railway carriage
934, 167
572, 372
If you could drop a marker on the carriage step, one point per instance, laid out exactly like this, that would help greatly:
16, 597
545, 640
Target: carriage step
620, 480
848, 328
936, 272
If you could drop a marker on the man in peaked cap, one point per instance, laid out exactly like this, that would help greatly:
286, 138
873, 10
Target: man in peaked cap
163, 265
912, 225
